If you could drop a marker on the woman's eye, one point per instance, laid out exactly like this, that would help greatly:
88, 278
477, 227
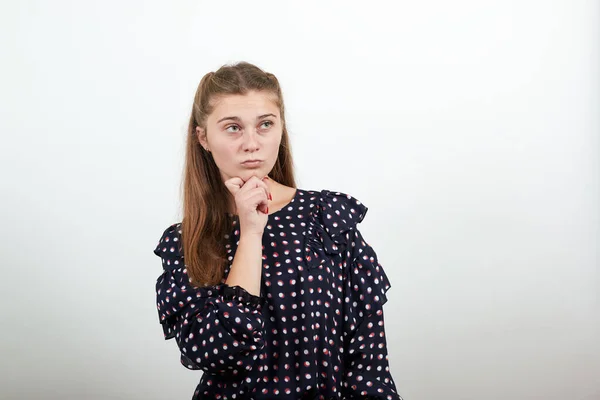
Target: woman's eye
270, 123
231, 126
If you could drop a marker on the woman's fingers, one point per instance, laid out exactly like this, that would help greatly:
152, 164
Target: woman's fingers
234, 185
255, 182
254, 191
259, 198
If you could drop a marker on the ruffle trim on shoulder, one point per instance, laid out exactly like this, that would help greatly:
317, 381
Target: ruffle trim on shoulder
169, 246
334, 215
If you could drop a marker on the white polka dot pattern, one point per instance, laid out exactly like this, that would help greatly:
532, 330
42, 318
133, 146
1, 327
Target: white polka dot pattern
365, 344
218, 329
315, 332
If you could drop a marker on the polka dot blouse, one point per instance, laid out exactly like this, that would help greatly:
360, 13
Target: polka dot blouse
317, 329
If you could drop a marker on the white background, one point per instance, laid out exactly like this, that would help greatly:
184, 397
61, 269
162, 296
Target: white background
469, 128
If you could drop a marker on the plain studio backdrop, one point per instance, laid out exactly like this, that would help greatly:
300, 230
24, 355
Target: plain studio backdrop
469, 128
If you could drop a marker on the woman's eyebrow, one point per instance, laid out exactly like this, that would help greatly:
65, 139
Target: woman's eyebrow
238, 118
266, 115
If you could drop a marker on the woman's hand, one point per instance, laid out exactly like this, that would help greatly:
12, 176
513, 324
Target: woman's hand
252, 202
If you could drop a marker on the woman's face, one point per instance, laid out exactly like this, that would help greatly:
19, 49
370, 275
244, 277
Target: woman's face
241, 128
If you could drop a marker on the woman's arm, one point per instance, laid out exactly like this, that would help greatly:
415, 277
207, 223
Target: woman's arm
219, 329
246, 269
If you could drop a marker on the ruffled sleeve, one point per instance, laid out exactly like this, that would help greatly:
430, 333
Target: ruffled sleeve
335, 214
220, 328
332, 234
366, 366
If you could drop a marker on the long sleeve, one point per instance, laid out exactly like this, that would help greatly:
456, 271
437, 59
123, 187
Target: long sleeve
219, 329
366, 367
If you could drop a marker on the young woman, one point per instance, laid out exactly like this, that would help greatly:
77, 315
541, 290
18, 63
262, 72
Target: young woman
271, 290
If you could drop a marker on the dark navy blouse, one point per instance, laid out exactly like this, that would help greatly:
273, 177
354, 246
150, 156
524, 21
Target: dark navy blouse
317, 329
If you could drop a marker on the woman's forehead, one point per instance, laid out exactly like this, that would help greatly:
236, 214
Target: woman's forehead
249, 105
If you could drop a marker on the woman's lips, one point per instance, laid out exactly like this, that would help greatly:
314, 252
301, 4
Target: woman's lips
255, 163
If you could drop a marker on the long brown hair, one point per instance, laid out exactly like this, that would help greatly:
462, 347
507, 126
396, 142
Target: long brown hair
206, 220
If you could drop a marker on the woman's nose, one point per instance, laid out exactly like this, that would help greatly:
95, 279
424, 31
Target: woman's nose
250, 141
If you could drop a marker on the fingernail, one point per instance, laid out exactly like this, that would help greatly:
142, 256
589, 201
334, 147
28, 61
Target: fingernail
270, 196
267, 210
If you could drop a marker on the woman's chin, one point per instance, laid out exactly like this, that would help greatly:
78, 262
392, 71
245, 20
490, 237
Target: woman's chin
247, 174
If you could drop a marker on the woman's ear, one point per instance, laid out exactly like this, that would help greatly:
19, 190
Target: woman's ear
201, 135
